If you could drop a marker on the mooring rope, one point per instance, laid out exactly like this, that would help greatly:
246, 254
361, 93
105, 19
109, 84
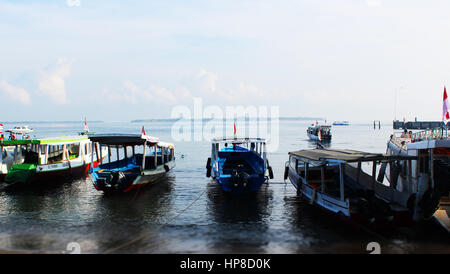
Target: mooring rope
145, 235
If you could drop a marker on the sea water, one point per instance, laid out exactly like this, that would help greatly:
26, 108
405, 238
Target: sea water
189, 213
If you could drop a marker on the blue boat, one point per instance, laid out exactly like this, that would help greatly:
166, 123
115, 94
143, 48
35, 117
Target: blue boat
239, 165
147, 162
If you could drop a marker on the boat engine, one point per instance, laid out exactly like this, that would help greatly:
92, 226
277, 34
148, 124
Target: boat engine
240, 178
115, 179
373, 208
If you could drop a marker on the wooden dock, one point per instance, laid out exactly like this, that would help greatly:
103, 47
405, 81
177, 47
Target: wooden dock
417, 124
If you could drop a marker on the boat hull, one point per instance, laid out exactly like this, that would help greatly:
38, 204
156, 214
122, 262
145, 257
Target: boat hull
51, 177
316, 138
240, 187
344, 209
145, 178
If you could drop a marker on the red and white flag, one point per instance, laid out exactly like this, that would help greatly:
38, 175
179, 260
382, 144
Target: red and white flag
143, 131
446, 107
86, 128
234, 129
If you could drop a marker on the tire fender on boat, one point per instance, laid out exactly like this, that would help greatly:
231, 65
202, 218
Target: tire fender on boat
208, 167
270, 172
286, 171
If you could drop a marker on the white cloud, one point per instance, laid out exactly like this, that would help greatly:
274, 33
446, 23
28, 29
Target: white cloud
373, 3
206, 81
73, 3
52, 81
131, 93
16, 93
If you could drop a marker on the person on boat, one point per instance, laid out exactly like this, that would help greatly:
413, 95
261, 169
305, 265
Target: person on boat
405, 134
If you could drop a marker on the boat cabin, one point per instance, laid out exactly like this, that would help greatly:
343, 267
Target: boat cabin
226, 154
335, 180
239, 165
135, 158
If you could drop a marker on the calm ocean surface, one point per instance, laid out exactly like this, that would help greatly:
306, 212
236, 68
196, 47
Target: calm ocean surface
188, 213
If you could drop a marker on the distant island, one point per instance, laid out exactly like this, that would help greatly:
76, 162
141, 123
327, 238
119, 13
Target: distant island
51, 122
238, 118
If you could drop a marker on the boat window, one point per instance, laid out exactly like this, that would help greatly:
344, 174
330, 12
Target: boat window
74, 150
55, 154
300, 168
293, 162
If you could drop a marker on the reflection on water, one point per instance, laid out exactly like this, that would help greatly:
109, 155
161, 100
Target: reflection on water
240, 222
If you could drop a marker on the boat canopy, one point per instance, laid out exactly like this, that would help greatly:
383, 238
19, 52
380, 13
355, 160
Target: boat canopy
347, 155
15, 142
118, 139
61, 140
238, 140
165, 144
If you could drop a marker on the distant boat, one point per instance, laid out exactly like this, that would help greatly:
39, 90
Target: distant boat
239, 165
133, 170
50, 159
19, 132
341, 123
319, 132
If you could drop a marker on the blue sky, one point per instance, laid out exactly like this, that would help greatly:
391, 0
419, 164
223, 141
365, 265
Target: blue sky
122, 60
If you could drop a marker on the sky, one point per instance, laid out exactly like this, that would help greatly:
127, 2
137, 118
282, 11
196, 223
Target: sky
357, 60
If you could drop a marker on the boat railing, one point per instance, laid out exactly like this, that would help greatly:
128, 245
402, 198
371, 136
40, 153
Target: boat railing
435, 133
429, 134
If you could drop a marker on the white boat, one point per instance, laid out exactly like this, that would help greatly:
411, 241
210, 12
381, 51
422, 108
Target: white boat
429, 175
50, 159
20, 130
341, 123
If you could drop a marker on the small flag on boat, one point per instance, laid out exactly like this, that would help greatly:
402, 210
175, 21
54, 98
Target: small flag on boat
234, 129
86, 128
446, 107
143, 131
